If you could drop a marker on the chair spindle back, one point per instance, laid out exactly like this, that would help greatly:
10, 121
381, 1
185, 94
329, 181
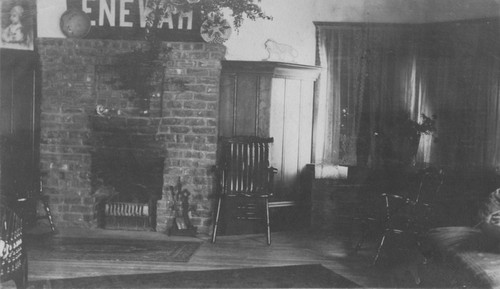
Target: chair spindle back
245, 167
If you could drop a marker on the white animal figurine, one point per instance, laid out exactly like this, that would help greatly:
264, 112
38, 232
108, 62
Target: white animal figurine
280, 52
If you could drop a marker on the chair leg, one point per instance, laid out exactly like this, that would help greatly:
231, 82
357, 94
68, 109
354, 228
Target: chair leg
21, 280
364, 232
379, 249
268, 223
48, 214
152, 214
217, 215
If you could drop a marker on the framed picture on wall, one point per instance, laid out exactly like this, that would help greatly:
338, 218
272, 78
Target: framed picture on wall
18, 24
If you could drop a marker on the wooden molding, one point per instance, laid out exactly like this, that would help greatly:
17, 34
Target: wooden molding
272, 68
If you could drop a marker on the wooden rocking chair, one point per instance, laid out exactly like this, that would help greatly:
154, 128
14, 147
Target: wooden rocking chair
243, 170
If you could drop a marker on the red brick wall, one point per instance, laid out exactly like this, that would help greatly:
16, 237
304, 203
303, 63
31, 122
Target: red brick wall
187, 128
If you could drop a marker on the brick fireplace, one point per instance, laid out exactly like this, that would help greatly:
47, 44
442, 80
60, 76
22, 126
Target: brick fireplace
183, 134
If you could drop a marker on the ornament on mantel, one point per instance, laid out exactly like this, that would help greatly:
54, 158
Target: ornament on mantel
106, 112
280, 52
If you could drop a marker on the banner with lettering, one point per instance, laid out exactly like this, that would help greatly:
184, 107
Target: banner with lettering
126, 19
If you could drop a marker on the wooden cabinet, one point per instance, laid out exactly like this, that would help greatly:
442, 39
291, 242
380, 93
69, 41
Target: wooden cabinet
271, 99
19, 145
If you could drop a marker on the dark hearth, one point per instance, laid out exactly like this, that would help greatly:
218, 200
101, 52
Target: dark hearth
129, 177
127, 165
126, 187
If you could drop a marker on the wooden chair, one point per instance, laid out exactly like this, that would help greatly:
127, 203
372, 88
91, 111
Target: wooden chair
243, 170
13, 258
407, 216
412, 218
27, 207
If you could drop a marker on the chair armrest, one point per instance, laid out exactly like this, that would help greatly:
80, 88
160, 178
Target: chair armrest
394, 209
272, 172
217, 171
398, 197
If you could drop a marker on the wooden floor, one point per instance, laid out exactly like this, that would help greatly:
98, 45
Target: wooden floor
288, 248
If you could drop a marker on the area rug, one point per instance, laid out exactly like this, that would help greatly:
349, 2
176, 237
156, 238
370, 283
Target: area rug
95, 249
298, 276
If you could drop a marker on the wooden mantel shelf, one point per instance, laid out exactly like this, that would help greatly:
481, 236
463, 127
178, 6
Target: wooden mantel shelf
272, 68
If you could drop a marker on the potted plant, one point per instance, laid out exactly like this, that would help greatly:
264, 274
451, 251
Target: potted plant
408, 133
142, 70
210, 9
397, 142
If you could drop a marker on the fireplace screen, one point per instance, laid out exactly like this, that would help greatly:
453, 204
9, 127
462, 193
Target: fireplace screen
126, 186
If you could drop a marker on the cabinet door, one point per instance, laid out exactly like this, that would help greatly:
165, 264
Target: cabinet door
244, 104
19, 144
291, 117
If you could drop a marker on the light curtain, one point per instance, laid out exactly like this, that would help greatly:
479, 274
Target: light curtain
376, 74
342, 52
369, 81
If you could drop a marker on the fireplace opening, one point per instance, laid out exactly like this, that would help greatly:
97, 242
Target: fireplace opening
126, 185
